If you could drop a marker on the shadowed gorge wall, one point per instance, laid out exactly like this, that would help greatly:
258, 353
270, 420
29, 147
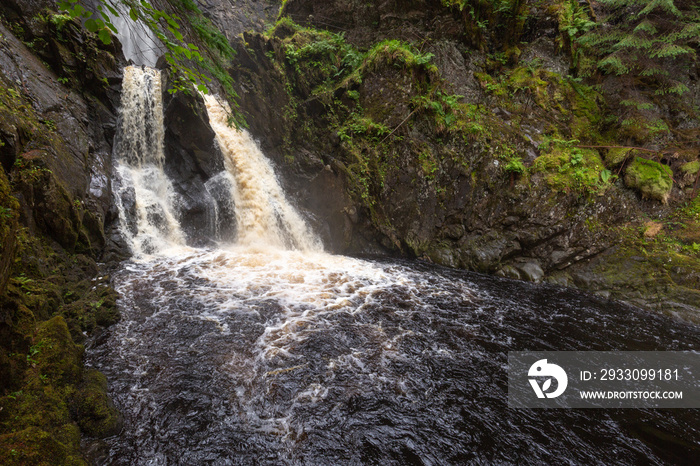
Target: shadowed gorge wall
481, 135
470, 148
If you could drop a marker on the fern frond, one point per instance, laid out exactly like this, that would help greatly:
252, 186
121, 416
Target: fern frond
670, 50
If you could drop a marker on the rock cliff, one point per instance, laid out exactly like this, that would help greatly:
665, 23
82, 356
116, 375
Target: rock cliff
471, 148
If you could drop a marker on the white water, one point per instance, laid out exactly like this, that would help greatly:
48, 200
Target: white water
260, 353
264, 216
275, 255
274, 258
144, 194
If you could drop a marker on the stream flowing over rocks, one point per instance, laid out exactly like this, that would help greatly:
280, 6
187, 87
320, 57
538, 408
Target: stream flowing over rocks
412, 190
266, 349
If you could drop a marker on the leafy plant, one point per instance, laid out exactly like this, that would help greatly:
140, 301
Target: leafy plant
400, 54
5, 212
515, 165
642, 38
164, 26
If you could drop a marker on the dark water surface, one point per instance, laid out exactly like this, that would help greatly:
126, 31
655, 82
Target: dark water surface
258, 357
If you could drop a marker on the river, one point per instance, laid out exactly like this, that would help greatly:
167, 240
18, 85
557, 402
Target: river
267, 350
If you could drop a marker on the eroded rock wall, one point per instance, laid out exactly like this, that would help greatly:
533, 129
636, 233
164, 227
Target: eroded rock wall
460, 146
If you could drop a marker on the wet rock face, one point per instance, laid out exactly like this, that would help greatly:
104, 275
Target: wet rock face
366, 23
234, 16
192, 162
445, 199
58, 143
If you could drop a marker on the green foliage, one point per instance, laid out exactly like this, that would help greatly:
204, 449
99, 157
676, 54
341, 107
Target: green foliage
574, 21
651, 178
59, 21
504, 19
164, 26
428, 164
357, 124
400, 54
5, 213
329, 53
100, 23
642, 38
210, 35
569, 168
450, 116
515, 165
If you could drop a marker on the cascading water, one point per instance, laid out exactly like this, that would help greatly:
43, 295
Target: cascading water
263, 214
144, 194
260, 353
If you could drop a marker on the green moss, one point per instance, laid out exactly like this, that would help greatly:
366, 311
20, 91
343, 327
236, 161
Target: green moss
397, 53
97, 417
36, 422
536, 93
56, 356
615, 156
428, 164
651, 178
571, 169
9, 214
34, 446
691, 168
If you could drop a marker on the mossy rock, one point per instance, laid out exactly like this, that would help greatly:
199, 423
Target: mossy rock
97, 416
571, 169
616, 156
9, 208
36, 447
691, 168
651, 178
56, 356
107, 313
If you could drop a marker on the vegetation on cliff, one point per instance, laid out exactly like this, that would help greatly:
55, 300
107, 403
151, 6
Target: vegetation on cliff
52, 292
482, 150
551, 140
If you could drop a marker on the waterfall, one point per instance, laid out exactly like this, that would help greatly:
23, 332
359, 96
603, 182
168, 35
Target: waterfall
263, 214
270, 351
144, 194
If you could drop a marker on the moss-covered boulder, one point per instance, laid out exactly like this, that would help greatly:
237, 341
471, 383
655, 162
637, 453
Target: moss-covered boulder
691, 168
651, 178
616, 155
36, 426
97, 416
36, 447
57, 357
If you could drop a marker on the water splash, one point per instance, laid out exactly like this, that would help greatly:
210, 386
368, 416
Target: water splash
263, 214
281, 357
144, 194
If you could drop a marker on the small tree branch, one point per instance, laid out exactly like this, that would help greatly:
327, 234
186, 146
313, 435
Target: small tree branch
621, 147
404, 121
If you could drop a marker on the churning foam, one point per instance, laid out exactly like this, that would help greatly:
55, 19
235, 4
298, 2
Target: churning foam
264, 216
